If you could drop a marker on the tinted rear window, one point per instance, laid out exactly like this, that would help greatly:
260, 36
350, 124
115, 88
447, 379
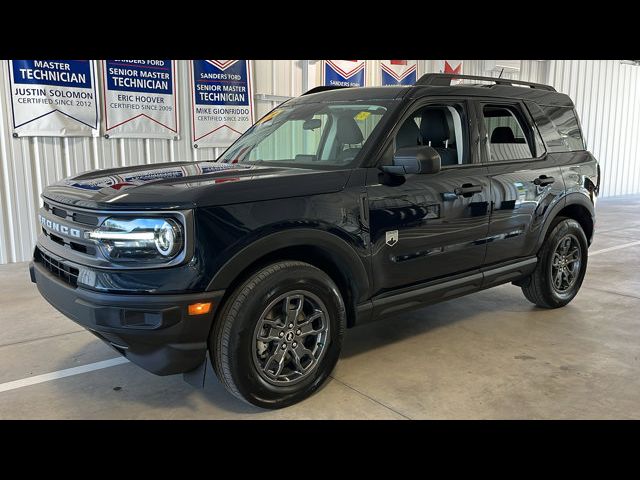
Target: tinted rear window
558, 126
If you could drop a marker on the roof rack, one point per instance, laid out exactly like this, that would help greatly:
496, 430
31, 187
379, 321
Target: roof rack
323, 88
444, 80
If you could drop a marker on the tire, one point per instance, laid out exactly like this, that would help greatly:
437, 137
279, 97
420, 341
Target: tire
540, 287
240, 359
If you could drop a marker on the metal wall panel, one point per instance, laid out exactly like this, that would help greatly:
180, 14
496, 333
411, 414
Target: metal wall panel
530, 70
606, 94
608, 102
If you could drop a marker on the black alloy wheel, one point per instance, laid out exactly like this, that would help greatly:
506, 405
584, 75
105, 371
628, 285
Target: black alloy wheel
291, 337
279, 334
561, 267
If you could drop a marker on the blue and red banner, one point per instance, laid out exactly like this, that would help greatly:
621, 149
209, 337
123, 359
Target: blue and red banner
53, 98
222, 101
398, 72
140, 98
344, 73
449, 66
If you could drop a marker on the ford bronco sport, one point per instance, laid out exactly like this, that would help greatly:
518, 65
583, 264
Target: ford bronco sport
338, 207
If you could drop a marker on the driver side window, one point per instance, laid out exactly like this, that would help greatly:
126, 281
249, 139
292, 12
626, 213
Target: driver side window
441, 126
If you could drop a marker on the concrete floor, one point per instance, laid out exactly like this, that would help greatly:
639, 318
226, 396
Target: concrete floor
488, 355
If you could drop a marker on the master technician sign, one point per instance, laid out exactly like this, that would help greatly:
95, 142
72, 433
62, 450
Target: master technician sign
140, 99
344, 73
398, 72
222, 101
55, 98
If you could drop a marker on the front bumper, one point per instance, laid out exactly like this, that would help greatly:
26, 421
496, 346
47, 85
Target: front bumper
153, 331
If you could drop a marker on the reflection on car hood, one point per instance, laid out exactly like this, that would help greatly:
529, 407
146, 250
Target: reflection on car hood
190, 184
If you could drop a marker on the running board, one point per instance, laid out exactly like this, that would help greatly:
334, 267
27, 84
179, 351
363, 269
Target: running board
408, 299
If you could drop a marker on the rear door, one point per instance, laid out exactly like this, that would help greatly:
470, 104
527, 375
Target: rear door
525, 181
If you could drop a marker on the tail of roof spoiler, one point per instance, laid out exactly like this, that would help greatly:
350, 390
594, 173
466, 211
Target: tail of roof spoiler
323, 88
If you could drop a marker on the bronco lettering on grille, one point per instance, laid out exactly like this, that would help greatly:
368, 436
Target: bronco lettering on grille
59, 228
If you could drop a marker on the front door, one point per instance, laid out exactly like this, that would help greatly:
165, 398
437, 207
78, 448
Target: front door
430, 226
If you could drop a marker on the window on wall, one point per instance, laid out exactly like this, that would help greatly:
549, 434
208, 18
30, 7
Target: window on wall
509, 138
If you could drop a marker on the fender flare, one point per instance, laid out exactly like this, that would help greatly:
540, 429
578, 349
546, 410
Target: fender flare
569, 199
344, 255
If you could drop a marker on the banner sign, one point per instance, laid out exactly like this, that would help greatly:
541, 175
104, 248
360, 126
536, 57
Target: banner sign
449, 66
399, 72
221, 101
140, 98
54, 98
344, 73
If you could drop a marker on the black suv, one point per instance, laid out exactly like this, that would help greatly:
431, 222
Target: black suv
337, 208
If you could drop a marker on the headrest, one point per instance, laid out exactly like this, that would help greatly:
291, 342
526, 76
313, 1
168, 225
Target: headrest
434, 127
503, 135
348, 132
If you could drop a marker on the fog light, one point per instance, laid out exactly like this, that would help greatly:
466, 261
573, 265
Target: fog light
199, 308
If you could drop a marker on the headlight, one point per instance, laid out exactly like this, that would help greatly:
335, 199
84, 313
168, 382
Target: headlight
139, 239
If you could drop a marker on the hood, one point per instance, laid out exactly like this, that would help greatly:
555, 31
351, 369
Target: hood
190, 184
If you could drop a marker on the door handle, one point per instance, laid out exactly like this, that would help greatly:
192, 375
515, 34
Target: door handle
467, 190
543, 180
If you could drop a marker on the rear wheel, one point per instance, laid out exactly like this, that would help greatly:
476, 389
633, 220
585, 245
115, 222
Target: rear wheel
562, 264
279, 335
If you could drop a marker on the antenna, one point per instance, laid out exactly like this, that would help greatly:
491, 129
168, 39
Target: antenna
500, 76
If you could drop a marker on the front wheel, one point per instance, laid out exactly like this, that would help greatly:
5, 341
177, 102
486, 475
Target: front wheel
279, 335
562, 264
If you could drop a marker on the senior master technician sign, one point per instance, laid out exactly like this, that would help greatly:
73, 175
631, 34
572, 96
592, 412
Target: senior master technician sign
140, 98
222, 101
55, 98
344, 73
398, 72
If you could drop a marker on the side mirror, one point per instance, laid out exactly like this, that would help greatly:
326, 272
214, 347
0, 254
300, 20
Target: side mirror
418, 159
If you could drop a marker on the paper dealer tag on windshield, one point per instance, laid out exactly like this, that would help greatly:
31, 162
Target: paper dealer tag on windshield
269, 116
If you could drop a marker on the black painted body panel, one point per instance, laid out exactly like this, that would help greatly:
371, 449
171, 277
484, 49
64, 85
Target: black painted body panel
171, 186
439, 233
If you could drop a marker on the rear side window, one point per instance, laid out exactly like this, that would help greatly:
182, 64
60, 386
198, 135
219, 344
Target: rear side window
507, 133
558, 126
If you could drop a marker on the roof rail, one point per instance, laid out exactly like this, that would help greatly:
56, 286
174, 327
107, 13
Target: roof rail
323, 88
444, 80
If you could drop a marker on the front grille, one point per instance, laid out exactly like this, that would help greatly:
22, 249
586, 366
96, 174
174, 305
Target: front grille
59, 222
78, 247
59, 212
64, 272
77, 217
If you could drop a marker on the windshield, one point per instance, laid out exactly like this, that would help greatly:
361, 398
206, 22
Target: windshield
309, 135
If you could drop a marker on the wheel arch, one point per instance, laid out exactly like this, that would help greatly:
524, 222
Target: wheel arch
321, 249
576, 206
